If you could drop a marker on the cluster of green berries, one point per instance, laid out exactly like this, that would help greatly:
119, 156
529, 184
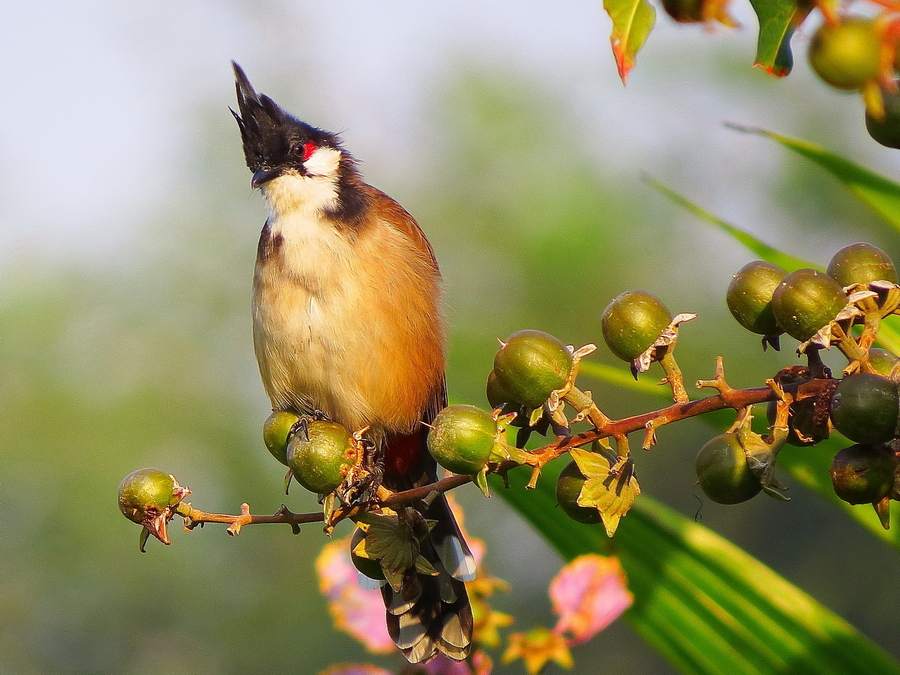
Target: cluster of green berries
768, 301
864, 405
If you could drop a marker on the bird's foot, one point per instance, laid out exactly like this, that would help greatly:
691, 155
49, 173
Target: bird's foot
362, 482
302, 424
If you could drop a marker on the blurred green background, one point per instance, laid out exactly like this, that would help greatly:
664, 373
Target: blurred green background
127, 240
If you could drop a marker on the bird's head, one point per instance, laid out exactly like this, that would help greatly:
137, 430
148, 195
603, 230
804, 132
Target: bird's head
278, 144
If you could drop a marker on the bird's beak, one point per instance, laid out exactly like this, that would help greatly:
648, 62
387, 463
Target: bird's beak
263, 176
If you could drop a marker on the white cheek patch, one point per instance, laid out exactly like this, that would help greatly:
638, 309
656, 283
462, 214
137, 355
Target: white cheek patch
323, 163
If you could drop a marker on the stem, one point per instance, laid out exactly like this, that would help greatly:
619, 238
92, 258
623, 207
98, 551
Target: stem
587, 409
849, 348
193, 517
674, 376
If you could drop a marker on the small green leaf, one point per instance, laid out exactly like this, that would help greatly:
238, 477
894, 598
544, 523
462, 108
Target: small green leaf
778, 19
425, 567
610, 487
391, 542
480, 479
632, 22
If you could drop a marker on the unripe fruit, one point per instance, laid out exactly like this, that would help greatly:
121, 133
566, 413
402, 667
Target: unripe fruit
749, 296
863, 474
568, 487
497, 395
886, 130
846, 55
632, 322
461, 438
320, 455
805, 301
861, 263
146, 492
865, 407
530, 365
723, 472
275, 432
882, 361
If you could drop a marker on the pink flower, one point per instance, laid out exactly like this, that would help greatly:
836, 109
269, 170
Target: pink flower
588, 594
355, 610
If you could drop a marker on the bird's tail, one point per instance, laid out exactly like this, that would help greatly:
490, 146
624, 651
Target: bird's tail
430, 614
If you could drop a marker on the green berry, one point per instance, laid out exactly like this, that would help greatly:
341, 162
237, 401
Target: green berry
568, 487
320, 455
861, 263
275, 432
530, 365
865, 407
723, 472
805, 301
497, 394
461, 438
146, 493
632, 322
863, 474
846, 54
749, 296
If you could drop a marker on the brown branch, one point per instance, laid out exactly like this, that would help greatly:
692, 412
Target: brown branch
736, 399
193, 517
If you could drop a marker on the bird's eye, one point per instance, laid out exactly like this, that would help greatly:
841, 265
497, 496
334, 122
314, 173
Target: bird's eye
305, 150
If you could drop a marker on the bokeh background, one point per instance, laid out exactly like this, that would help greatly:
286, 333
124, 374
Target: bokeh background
127, 239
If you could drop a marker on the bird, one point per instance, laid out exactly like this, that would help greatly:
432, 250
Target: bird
348, 325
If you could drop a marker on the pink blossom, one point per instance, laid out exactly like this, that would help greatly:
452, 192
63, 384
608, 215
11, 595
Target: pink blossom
588, 594
355, 610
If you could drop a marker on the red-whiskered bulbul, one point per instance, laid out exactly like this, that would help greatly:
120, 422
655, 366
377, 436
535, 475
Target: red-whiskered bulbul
347, 323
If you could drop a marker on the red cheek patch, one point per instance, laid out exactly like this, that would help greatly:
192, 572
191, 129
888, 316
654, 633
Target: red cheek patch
308, 149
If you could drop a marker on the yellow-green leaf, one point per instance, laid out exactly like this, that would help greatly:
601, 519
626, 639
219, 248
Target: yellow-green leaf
611, 492
632, 22
778, 19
